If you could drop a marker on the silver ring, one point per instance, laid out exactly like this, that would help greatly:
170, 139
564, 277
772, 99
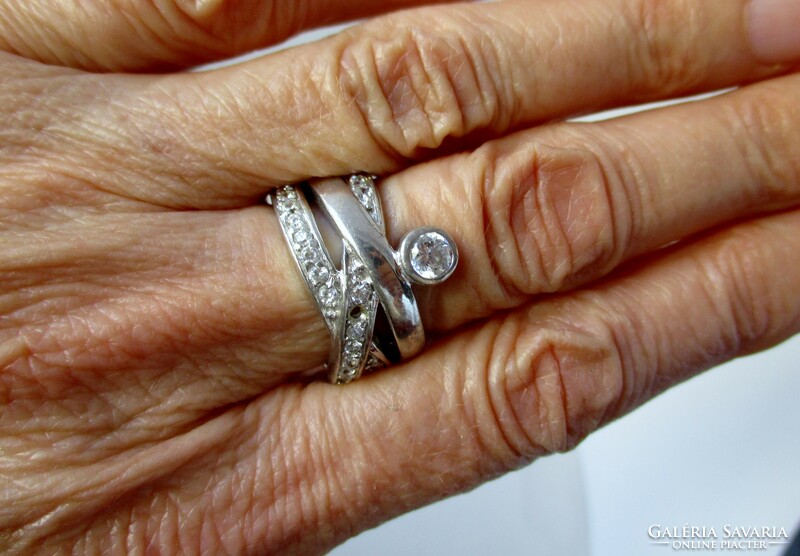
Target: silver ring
372, 282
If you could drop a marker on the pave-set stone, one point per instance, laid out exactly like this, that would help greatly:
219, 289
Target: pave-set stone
360, 308
363, 187
324, 279
315, 264
347, 297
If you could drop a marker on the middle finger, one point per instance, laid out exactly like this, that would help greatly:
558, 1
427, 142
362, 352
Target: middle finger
539, 211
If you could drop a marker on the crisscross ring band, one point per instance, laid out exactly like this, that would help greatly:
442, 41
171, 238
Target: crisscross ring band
366, 299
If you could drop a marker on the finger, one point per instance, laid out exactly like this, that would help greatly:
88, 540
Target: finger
497, 396
401, 87
542, 211
136, 35
550, 209
307, 466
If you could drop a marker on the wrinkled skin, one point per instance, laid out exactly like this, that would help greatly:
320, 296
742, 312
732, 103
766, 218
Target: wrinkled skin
154, 336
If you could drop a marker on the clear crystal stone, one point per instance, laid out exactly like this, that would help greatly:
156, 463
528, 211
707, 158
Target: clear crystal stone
327, 295
290, 205
295, 222
360, 294
307, 254
352, 359
359, 326
431, 256
301, 236
366, 200
358, 273
318, 274
359, 182
352, 347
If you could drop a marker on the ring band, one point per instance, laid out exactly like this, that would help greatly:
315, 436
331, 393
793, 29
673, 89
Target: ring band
372, 281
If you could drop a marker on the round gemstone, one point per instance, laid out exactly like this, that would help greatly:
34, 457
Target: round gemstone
366, 200
318, 274
301, 236
352, 347
352, 359
358, 273
295, 222
359, 326
360, 293
432, 256
327, 295
359, 182
307, 254
290, 205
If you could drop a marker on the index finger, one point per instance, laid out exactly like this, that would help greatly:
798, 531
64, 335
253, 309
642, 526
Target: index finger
410, 85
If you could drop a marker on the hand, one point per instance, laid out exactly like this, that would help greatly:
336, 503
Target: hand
153, 326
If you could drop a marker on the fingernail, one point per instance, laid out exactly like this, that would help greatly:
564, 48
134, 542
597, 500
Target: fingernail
774, 27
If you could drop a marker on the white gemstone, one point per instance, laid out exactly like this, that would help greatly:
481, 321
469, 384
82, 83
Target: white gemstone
352, 359
318, 274
360, 293
359, 182
301, 236
366, 200
307, 254
431, 256
359, 326
290, 204
295, 222
358, 273
352, 347
327, 295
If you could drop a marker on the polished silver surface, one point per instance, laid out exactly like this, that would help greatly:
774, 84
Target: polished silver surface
369, 276
369, 244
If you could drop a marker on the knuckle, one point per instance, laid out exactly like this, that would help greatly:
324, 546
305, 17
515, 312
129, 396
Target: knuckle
666, 56
223, 27
739, 293
553, 216
763, 127
549, 388
416, 85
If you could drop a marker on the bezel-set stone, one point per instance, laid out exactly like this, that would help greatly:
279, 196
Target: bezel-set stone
428, 255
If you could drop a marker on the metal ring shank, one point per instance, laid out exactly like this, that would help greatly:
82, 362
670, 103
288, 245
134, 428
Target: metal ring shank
370, 245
